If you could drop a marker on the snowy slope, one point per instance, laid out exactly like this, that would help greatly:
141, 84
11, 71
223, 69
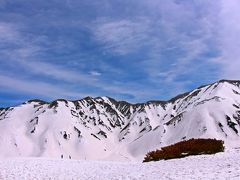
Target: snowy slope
220, 166
105, 129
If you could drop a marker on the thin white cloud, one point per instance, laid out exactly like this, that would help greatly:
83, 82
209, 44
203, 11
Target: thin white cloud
36, 88
121, 36
171, 26
57, 72
229, 38
95, 73
8, 32
185, 29
25, 55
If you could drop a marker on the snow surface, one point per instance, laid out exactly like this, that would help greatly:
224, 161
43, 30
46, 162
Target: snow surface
219, 166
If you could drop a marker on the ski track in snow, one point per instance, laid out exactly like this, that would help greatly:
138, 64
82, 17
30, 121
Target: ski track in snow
220, 166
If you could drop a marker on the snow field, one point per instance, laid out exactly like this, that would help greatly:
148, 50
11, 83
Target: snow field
220, 166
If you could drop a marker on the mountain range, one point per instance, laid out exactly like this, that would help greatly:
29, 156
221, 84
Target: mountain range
103, 128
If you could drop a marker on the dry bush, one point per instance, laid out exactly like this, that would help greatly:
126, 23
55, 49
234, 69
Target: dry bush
186, 148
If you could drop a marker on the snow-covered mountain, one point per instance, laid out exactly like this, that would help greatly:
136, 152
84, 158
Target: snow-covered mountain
103, 128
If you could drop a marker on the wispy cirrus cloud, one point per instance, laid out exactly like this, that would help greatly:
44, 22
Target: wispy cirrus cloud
95, 73
229, 39
33, 87
7, 32
25, 56
22, 52
173, 37
121, 36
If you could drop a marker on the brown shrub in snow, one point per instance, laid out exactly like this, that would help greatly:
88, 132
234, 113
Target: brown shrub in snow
186, 148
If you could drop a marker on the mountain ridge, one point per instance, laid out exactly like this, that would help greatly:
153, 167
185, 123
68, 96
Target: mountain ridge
124, 101
117, 129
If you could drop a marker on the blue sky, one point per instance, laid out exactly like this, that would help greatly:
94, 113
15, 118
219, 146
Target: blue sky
130, 50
